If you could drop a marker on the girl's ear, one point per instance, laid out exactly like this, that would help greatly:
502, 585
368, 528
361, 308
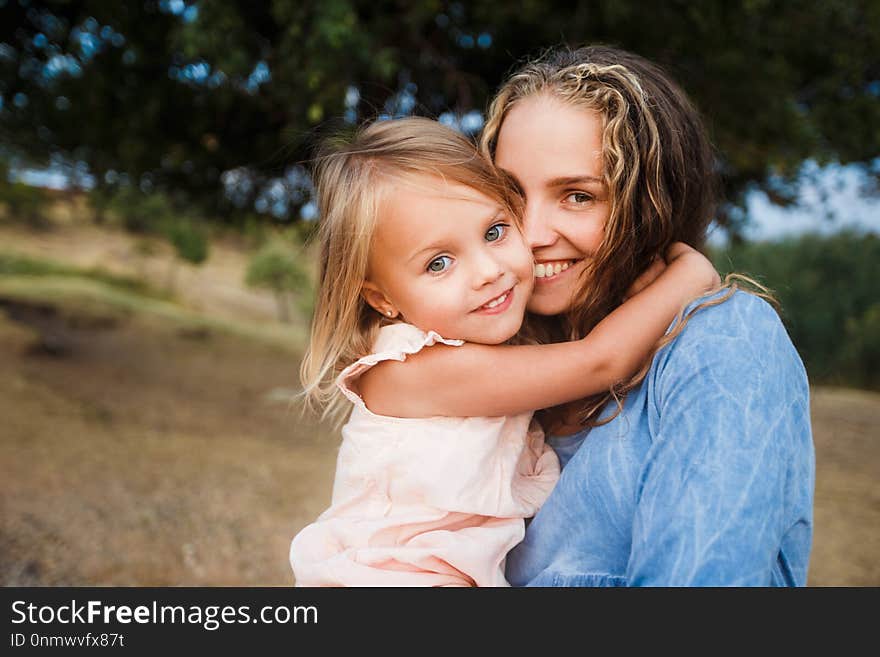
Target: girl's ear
377, 299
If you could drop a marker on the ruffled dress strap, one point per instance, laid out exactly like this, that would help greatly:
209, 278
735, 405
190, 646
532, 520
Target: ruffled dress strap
394, 342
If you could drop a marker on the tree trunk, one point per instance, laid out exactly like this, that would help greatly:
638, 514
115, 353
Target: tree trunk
171, 280
283, 306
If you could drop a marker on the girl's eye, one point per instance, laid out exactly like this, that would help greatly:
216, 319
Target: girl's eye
439, 264
496, 232
578, 198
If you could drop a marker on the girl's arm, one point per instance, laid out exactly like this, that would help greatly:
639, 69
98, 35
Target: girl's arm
494, 380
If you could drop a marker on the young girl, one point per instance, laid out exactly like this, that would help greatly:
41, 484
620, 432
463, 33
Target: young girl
423, 276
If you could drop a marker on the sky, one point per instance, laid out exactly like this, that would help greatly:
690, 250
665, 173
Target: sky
841, 198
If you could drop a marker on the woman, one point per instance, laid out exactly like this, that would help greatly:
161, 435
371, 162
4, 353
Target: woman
703, 473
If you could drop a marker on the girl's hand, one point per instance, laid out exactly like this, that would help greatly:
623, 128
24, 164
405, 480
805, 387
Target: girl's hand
700, 272
676, 250
646, 277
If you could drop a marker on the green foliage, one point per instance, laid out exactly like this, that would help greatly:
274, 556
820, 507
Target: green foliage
276, 268
189, 241
100, 201
830, 299
145, 248
153, 214
13, 264
861, 349
254, 231
778, 82
135, 211
303, 232
23, 203
17, 265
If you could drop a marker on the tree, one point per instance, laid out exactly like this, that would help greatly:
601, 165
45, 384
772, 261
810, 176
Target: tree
274, 267
827, 288
199, 97
190, 245
22, 203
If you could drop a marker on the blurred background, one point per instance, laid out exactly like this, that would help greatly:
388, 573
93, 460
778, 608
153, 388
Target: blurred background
156, 271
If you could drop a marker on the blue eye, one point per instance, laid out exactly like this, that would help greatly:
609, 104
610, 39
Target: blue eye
496, 232
439, 264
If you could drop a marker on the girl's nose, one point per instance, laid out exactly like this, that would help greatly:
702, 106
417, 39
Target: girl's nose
537, 228
488, 269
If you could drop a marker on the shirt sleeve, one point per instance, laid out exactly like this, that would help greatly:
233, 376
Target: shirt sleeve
731, 450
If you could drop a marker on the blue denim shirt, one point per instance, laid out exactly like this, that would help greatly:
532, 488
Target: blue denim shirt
705, 479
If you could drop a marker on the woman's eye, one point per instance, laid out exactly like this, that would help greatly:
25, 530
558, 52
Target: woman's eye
496, 232
439, 264
578, 198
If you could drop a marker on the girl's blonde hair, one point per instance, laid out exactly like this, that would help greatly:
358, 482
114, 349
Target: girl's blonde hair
659, 170
351, 180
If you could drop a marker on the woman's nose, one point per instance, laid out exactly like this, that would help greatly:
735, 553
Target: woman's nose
537, 229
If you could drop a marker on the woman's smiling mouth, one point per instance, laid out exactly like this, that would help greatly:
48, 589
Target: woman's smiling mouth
550, 269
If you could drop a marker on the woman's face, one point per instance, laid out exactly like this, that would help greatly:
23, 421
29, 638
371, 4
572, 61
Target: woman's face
554, 152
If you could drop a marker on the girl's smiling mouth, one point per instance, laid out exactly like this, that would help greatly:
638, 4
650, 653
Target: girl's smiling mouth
497, 304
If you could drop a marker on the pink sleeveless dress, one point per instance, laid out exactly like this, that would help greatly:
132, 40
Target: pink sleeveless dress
434, 501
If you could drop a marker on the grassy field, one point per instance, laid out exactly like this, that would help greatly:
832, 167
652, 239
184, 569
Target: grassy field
142, 450
152, 441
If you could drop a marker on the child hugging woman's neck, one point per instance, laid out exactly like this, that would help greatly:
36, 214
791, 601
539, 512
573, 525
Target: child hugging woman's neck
424, 276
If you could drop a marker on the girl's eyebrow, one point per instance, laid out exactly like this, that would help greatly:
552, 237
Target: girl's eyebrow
440, 246
436, 246
492, 217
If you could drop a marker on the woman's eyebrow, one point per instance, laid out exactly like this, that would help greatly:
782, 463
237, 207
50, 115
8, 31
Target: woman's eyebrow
563, 181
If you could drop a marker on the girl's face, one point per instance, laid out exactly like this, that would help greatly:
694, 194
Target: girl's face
554, 152
449, 259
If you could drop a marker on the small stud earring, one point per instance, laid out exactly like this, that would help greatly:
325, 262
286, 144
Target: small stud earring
388, 312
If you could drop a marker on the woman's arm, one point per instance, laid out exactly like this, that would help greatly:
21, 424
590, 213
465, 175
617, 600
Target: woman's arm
495, 380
